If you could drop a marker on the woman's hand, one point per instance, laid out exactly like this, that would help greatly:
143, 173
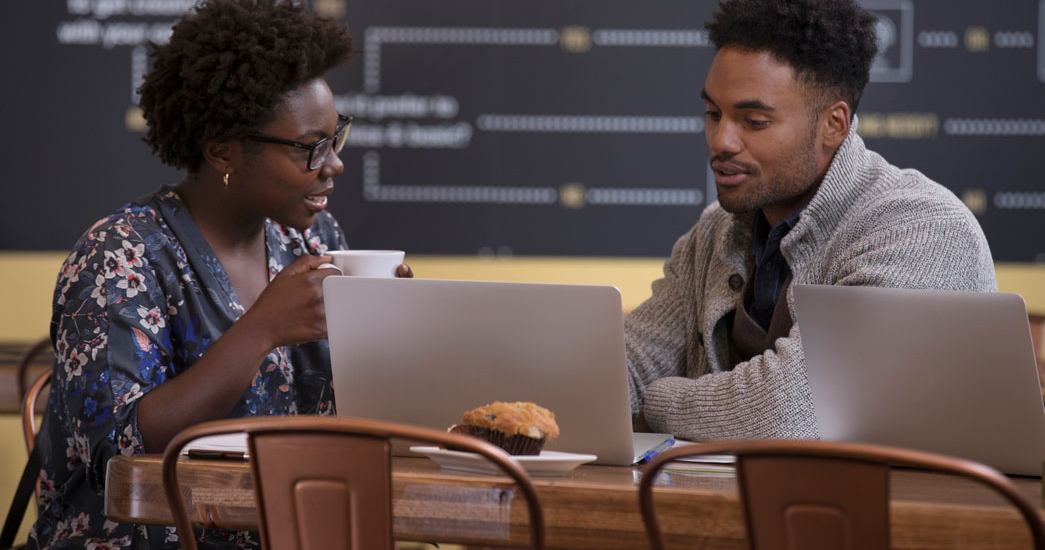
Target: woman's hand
290, 309
403, 271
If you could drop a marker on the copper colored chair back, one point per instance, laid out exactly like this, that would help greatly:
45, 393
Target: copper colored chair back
32, 394
325, 482
813, 495
29, 409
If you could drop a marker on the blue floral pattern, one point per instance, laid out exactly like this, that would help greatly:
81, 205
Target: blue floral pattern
138, 301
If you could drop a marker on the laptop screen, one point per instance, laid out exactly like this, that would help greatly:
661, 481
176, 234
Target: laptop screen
423, 351
942, 371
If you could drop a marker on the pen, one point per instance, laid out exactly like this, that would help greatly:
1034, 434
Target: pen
217, 454
665, 445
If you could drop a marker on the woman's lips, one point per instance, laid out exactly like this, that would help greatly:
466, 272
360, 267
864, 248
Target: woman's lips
318, 202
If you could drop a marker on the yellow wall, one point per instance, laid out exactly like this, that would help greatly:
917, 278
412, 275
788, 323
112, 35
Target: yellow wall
27, 281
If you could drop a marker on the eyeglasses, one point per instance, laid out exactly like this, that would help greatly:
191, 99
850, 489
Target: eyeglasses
317, 150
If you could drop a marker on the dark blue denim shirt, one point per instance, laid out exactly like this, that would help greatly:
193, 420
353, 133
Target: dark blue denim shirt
771, 269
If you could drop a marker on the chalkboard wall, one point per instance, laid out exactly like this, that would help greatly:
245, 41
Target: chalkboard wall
502, 127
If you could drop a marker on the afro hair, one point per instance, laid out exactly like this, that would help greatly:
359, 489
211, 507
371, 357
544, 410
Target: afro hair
829, 43
226, 68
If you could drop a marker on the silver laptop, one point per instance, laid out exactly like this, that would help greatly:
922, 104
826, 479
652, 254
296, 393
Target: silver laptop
423, 351
949, 372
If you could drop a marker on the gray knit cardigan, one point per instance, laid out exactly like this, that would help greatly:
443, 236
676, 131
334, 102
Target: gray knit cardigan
870, 223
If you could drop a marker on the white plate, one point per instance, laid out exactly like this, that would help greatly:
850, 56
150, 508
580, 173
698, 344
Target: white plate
548, 463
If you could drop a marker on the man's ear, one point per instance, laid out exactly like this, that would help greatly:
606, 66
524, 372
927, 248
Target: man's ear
835, 125
223, 156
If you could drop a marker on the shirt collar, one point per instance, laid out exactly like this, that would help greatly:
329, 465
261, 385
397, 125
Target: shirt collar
763, 235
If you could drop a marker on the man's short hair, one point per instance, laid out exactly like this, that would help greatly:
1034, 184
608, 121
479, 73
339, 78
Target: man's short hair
829, 43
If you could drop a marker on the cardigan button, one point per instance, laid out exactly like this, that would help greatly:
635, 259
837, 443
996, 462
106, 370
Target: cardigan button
736, 282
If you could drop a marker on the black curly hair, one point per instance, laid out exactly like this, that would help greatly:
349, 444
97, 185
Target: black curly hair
829, 43
226, 68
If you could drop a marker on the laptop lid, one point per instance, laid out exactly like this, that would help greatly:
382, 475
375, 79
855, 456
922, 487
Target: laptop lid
942, 371
423, 351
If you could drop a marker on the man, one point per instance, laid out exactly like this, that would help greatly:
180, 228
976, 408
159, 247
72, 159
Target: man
715, 353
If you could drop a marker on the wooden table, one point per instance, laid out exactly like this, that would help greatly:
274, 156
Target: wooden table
593, 507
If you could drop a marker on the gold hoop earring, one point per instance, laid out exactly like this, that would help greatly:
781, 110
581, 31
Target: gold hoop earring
226, 180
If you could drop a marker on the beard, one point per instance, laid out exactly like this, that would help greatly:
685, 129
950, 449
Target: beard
792, 180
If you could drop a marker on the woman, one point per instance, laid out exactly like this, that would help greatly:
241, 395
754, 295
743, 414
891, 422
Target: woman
203, 300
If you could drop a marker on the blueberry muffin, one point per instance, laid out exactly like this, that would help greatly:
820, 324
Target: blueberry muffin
519, 428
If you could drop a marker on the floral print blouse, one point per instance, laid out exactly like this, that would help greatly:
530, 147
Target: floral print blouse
140, 299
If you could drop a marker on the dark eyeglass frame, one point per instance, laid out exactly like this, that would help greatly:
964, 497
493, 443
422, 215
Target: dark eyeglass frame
344, 123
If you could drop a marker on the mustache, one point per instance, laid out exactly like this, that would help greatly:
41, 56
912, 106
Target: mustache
724, 162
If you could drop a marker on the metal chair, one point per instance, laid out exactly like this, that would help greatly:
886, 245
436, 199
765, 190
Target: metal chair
29, 409
31, 395
324, 482
27, 359
814, 495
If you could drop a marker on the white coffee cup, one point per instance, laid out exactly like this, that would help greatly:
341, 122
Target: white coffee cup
366, 263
